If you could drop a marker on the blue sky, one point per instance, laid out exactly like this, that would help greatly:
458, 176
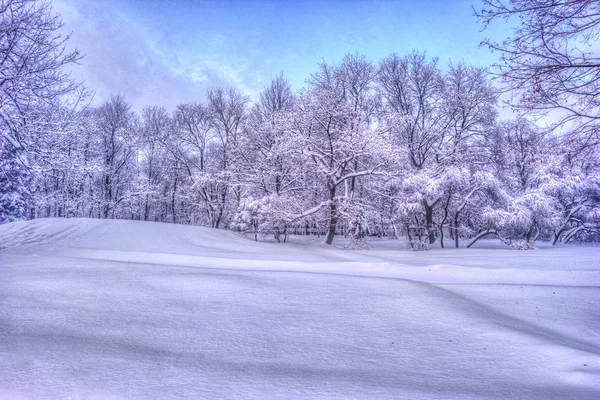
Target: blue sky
169, 52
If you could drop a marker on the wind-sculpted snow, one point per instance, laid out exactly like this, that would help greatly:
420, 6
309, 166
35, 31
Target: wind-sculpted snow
122, 309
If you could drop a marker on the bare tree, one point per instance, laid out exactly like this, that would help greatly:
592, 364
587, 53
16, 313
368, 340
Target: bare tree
196, 124
192, 146
155, 122
551, 62
228, 111
411, 89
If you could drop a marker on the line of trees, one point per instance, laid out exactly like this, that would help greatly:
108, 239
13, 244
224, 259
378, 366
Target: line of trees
398, 147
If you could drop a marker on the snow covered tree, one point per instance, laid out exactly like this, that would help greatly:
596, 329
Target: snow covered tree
439, 121
32, 59
188, 144
270, 164
267, 216
576, 198
269, 161
204, 142
361, 151
519, 155
411, 90
13, 186
115, 131
33, 56
227, 109
340, 142
61, 162
154, 125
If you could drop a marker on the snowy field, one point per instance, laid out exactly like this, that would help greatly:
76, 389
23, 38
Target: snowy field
94, 309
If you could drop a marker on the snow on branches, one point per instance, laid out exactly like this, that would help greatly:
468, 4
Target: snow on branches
399, 147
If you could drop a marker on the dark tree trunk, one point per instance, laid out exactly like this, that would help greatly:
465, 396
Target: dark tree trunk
456, 230
333, 218
429, 222
147, 208
332, 224
173, 201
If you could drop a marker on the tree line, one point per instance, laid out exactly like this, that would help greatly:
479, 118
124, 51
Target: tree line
400, 147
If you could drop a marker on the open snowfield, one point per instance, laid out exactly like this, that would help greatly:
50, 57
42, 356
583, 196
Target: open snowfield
120, 309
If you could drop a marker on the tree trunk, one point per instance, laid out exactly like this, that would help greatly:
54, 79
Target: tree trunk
456, 230
480, 235
332, 224
173, 201
147, 208
444, 220
429, 222
557, 237
333, 217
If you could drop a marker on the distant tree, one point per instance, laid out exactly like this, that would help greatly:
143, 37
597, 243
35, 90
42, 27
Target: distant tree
114, 128
411, 88
154, 124
196, 130
228, 110
268, 163
552, 62
189, 143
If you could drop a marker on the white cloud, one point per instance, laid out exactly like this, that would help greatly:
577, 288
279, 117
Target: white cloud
145, 65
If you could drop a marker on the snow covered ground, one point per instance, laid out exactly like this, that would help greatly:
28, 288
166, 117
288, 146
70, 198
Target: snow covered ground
121, 309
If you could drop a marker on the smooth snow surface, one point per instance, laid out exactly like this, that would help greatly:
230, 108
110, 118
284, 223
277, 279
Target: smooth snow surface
120, 309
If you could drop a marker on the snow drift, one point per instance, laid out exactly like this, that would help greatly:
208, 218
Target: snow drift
122, 309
